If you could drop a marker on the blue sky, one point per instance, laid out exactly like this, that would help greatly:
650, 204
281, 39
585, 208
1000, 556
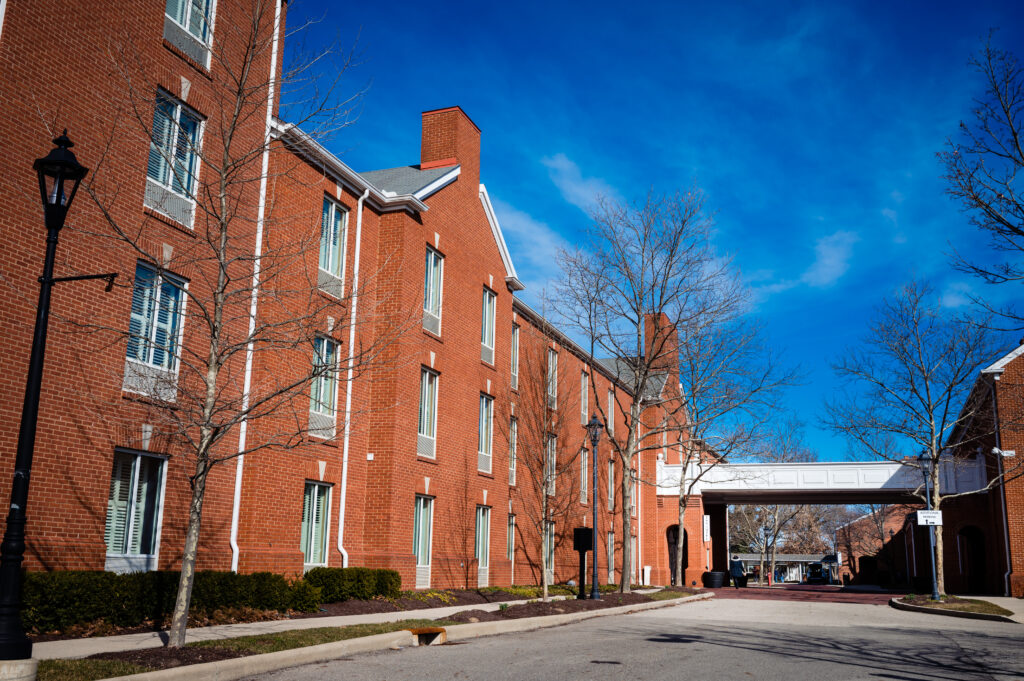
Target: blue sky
812, 127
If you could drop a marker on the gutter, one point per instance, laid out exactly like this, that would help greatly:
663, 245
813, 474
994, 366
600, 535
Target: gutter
257, 256
1002, 484
348, 391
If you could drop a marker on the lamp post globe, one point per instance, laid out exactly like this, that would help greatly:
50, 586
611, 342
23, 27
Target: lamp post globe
59, 174
594, 428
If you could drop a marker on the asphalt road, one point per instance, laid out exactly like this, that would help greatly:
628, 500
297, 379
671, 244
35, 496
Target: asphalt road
721, 639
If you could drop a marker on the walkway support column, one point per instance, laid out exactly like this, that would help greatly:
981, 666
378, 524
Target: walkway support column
719, 537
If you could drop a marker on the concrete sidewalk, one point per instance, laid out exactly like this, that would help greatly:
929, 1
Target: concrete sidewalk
84, 647
1014, 605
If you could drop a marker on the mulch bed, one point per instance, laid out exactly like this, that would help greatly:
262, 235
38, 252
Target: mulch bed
164, 658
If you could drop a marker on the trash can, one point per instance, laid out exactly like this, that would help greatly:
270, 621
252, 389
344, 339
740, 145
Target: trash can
713, 580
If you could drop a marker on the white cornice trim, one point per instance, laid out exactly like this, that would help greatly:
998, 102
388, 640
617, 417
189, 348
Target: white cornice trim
999, 366
506, 258
438, 184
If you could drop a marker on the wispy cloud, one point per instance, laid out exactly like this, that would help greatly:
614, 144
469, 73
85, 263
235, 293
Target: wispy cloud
831, 259
533, 246
957, 294
578, 190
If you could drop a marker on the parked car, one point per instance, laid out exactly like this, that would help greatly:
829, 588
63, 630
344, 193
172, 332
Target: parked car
817, 574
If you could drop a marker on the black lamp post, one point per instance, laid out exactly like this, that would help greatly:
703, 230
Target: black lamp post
59, 176
594, 428
926, 462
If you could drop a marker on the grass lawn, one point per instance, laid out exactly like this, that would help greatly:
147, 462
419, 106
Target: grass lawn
669, 594
85, 670
958, 604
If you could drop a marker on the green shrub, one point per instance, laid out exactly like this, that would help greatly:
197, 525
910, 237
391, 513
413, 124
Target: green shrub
342, 584
305, 596
54, 601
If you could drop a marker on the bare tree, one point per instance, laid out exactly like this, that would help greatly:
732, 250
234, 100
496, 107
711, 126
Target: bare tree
644, 271
910, 387
547, 446
983, 166
242, 337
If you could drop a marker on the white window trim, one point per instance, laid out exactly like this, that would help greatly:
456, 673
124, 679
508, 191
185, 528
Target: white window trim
551, 463
424, 371
440, 292
208, 41
488, 294
510, 538
486, 410
334, 402
327, 525
483, 558
610, 416
552, 379
150, 558
611, 484
336, 207
513, 444
584, 491
515, 356
584, 396
430, 539
200, 134
183, 285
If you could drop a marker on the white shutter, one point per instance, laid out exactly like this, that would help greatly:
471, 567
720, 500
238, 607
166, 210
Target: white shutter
117, 504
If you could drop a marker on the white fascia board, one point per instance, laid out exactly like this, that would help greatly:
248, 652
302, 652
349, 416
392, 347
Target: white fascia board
438, 184
999, 366
301, 142
506, 258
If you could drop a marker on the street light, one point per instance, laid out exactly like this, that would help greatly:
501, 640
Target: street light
594, 428
926, 461
59, 176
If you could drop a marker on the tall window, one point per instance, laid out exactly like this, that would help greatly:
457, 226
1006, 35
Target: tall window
422, 528
611, 485
552, 379
610, 414
155, 324
551, 463
610, 550
487, 326
315, 512
513, 435
173, 153
515, 357
583, 475
510, 540
426, 442
433, 275
632, 492
192, 15
583, 397
133, 505
483, 536
549, 547
332, 239
325, 376
486, 426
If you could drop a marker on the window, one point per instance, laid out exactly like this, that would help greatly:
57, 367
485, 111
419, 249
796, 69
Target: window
515, 357
331, 273
173, 160
513, 435
483, 544
551, 464
552, 379
487, 327
315, 512
187, 27
610, 550
549, 549
432, 279
154, 332
426, 442
422, 526
611, 485
583, 397
133, 512
324, 388
486, 425
632, 492
610, 414
510, 540
154, 328
583, 475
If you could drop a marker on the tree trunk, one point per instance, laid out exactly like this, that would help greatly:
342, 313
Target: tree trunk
627, 529
179, 618
771, 564
760, 565
940, 571
681, 539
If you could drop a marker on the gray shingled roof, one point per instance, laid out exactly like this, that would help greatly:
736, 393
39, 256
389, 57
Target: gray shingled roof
404, 180
623, 371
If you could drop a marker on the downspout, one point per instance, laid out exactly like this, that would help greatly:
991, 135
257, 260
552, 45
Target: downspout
1002, 485
348, 391
243, 429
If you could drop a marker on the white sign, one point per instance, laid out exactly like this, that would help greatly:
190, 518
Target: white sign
707, 528
929, 518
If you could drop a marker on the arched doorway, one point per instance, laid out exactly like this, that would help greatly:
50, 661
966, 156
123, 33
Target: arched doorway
672, 535
971, 547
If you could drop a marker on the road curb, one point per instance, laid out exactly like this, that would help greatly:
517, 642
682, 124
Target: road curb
241, 667
895, 603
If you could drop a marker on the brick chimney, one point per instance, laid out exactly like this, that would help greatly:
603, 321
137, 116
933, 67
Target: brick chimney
451, 138
661, 341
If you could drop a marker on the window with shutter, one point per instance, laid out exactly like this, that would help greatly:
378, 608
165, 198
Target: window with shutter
187, 27
173, 160
487, 326
133, 510
485, 431
433, 276
513, 435
154, 332
315, 515
426, 435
